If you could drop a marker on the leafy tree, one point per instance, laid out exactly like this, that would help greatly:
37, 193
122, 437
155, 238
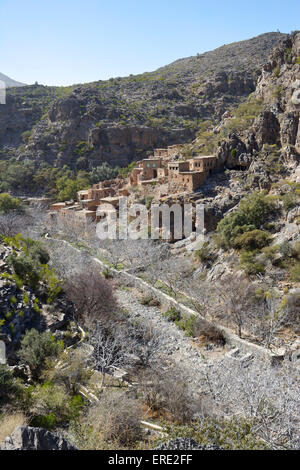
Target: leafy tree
8, 204
67, 188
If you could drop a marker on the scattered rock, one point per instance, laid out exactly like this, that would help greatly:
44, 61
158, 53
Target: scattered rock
184, 443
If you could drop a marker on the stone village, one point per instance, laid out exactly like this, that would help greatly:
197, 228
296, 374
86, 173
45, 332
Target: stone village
162, 178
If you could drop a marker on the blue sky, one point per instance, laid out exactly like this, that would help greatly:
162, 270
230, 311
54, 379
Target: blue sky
75, 41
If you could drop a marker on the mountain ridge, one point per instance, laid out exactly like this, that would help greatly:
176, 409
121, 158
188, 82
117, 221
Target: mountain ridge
9, 82
122, 119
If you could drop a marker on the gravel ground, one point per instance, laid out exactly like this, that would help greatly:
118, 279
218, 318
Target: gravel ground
175, 346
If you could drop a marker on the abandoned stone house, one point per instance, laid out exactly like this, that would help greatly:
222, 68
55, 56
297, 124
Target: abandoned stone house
164, 167
146, 170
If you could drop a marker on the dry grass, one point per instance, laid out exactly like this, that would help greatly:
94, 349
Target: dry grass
8, 423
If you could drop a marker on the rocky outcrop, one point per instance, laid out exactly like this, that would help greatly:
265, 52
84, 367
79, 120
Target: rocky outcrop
266, 129
28, 438
278, 92
288, 129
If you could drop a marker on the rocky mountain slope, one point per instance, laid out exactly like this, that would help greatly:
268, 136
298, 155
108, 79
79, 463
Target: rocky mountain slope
23, 306
270, 115
258, 146
9, 82
120, 119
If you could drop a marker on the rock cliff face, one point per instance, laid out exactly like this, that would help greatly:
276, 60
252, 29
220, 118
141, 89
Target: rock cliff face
28, 438
121, 119
277, 122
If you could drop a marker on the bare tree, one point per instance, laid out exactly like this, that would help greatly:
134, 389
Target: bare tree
145, 340
110, 350
115, 252
234, 299
268, 396
271, 314
68, 226
176, 272
149, 256
92, 297
201, 294
12, 223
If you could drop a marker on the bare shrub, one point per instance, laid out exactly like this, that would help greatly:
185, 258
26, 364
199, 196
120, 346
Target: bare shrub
166, 392
145, 341
211, 333
116, 419
9, 422
71, 372
92, 297
12, 223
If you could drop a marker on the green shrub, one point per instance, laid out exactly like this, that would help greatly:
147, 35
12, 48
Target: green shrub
286, 249
8, 387
255, 239
36, 348
8, 204
150, 301
25, 268
187, 324
48, 421
243, 116
290, 200
250, 215
295, 272
249, 265
26, 136
234, 433
172, 315
270, 252
52, 406
205, 254
103, 172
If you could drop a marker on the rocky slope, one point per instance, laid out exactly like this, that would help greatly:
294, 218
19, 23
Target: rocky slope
9, 82
270, 116
258, 146
120, 119
23, 308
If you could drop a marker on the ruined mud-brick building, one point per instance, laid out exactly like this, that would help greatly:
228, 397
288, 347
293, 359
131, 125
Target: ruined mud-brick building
164, 167
189, 175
